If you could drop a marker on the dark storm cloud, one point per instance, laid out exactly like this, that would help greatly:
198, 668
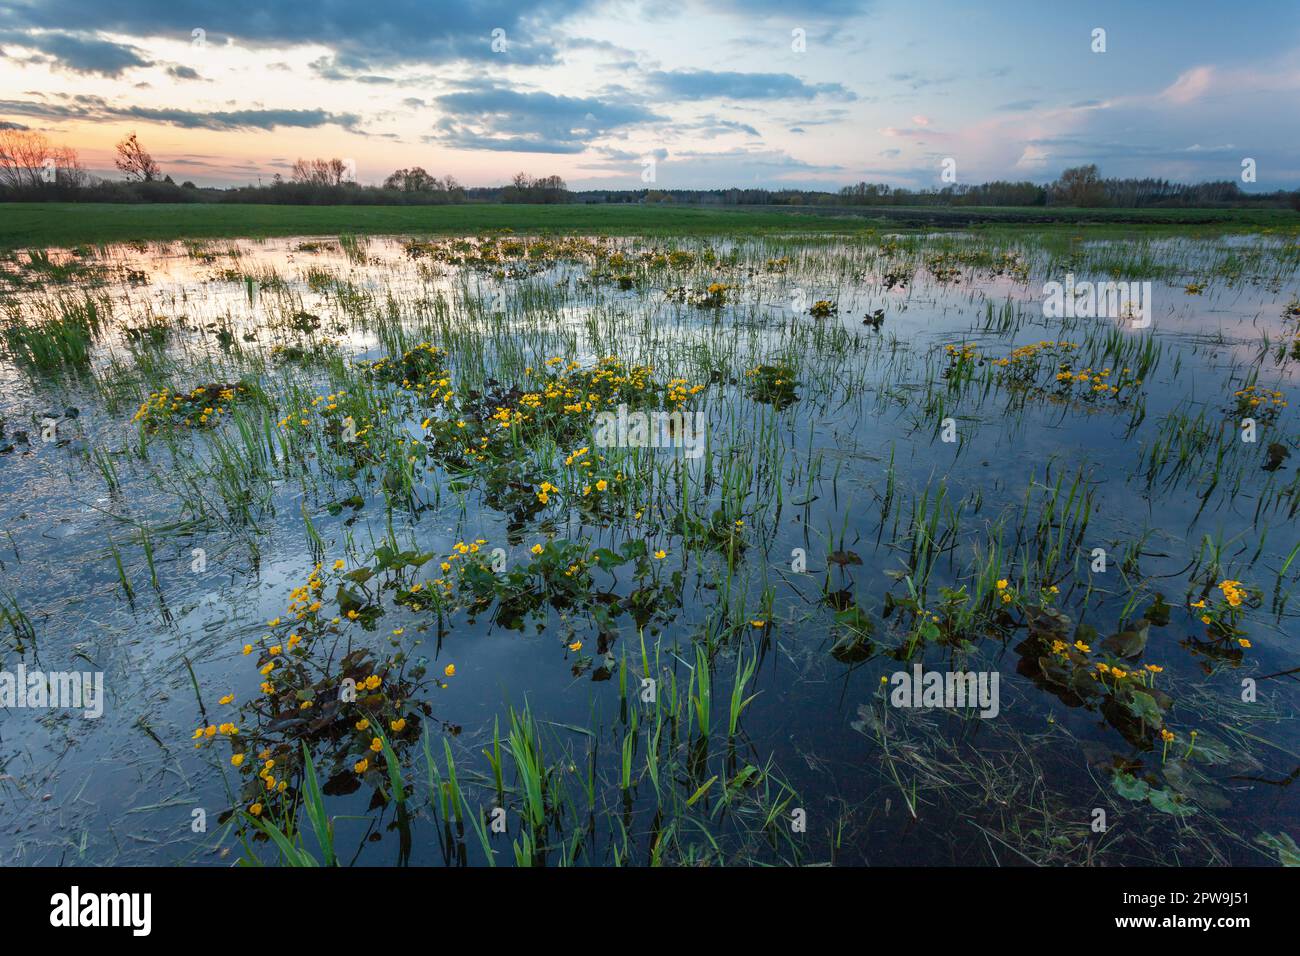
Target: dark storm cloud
79, 53
815, 9
496, 118
428, 31
97, 108
710, 84
240, 119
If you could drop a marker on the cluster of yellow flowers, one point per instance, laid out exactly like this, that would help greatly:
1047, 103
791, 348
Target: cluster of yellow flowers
1095, 380
965, 353
1252, 396
203, 404
1233, 592
303, 416
679, 390
1005, 592
459, 551
211, 730
1028, 354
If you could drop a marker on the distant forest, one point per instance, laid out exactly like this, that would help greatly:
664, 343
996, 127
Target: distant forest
33, 169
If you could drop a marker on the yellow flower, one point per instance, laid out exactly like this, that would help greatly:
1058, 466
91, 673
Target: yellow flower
575, 646
758, 623
1002, 584
376, 744
236, 759
227, 699
660, 555
255, 809
602, 485
248, 649
339, 565
450, 670
1243, 642
398, 725
1166, 735
537, 549
362, 724
361, 766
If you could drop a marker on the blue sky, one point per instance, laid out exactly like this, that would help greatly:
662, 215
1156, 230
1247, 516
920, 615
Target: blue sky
715, 94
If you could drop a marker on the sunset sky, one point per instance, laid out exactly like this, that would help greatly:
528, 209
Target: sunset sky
714, 92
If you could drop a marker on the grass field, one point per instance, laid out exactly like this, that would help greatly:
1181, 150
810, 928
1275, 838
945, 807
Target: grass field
25, 225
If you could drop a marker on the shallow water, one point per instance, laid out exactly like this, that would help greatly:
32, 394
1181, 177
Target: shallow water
845, 467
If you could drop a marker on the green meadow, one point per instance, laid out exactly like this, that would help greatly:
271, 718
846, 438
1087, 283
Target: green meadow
72, 224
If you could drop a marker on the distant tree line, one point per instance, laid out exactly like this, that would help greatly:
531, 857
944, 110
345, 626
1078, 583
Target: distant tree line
34, 169
1077, 186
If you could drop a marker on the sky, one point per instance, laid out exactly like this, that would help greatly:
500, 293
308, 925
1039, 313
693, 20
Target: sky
676, 94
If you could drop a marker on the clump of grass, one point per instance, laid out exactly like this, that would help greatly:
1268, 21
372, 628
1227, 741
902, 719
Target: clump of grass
60, 338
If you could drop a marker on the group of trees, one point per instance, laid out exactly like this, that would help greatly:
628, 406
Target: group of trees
547, 189
1080, 186
416, 180
32, 167
28, 161
322, 172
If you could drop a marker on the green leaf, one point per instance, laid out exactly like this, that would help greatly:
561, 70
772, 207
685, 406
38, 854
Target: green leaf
1165, 802
1129, 786
1287, 852
1128, 644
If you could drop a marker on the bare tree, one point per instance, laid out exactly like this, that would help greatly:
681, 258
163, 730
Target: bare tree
29, 160
320, 172
134, 160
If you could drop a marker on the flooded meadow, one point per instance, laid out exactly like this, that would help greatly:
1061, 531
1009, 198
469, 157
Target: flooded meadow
538, 550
